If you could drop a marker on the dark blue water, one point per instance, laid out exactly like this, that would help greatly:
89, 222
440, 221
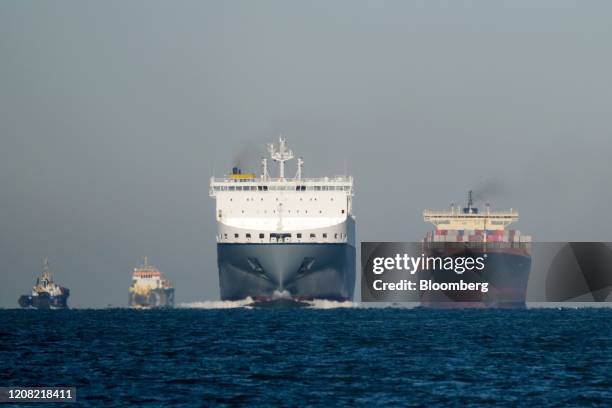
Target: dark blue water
342, 357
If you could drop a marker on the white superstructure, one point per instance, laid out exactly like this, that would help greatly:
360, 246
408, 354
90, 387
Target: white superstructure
265, 209
468, 224
146, 278
45, 284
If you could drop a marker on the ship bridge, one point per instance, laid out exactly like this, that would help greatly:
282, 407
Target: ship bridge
239, 181
470, 218
264, 208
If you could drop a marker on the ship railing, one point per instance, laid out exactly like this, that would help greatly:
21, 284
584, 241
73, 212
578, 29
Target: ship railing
456, 214
276, 184
279, 180
521, 244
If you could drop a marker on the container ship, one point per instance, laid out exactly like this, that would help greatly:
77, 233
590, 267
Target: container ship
290, 237
149, 289
467, 232
46, 294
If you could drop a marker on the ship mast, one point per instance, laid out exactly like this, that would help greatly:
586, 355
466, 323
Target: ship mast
300, 168
470, 204
45, 269
281, 155
264, 169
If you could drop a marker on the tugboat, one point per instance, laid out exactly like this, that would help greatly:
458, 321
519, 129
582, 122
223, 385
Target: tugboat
46, 294
149, 289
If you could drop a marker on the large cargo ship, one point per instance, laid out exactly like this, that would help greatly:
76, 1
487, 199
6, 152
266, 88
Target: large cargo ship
284, 236
46, 294
149, 289
467, 232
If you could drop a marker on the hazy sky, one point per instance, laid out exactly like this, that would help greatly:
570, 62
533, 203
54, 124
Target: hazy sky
114, 114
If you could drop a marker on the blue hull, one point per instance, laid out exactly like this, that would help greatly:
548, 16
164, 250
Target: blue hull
303, 271
507, 275
45, 301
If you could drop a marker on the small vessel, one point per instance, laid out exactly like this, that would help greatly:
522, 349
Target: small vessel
149, 289
468, 232
46, 294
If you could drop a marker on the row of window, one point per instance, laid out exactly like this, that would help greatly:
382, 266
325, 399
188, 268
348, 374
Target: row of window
288, 212
276, 199
298, 235
281, 188
442, 221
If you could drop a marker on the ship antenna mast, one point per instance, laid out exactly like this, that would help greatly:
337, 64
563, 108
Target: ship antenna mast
264, 169
45, 270
300, 168
470, 203
281, 156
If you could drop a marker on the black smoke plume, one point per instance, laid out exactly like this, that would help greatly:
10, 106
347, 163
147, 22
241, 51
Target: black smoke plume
247, 156
489, 190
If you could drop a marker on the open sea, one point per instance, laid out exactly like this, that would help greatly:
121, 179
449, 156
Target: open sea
214, 355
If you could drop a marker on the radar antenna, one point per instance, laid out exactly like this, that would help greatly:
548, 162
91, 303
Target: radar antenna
281, 155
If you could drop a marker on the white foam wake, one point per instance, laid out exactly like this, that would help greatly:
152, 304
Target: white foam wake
217, 304
331, 304
246, 303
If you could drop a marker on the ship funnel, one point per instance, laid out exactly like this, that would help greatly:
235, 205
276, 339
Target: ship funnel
236, 170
